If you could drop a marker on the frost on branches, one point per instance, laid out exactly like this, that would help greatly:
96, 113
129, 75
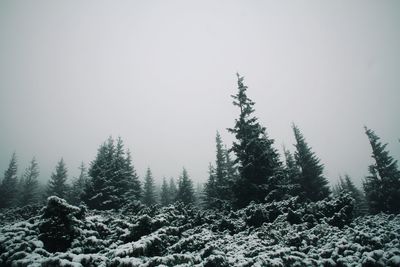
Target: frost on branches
285, 233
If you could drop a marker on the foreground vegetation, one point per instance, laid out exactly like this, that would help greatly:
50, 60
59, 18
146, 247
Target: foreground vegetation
284, 233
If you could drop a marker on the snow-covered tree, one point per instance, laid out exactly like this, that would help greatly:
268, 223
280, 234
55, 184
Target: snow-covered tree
134, 192
313, 185
29, 185
57, 185
382, 186
8, 188
149, 197
258, 162
346, 185
185, 192
112, 179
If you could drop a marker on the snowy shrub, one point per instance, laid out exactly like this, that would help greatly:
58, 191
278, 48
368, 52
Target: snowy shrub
293, 217
287, 234
132, 208
256, 215
59, 224
18, 214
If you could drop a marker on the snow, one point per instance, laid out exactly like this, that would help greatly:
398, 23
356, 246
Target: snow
184, 236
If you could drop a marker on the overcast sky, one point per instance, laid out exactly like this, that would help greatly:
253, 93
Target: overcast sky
160, 75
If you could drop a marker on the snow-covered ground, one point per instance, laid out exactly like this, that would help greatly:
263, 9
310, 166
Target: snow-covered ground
278, 234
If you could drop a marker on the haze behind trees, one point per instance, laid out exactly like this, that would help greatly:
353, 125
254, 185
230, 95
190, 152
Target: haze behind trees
73, 73
256, 174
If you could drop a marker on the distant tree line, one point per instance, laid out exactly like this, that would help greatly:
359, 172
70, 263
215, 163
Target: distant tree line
252, 170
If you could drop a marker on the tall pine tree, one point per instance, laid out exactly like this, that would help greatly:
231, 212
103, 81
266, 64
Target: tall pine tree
382, 186
185, 192
149, 197
8, 189
57, 185
313, 185
29, 185
258, 162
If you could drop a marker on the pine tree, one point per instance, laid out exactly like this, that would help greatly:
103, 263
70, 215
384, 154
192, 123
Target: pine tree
292, 173
313, 185
118, 181
78, 186
346, 185
210, 189
165, 198
148, 189
173, 190
185, 192
231, 170
382, 186
258, 162
29, 185
112, 179
8, 189
134, 192
57, 184
95, 192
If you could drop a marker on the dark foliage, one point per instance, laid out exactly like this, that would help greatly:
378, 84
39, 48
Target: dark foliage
313, 185
382, 186
257, 160
113, 181
60, 224
57, 185
8, 187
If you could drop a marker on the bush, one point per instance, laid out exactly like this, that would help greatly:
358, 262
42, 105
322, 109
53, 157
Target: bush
59, 224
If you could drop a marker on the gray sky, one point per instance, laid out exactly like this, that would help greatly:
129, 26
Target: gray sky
160, 75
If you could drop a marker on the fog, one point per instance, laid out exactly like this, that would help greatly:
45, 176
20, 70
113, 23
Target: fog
160, 75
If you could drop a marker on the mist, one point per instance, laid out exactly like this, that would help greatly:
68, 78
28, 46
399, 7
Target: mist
160, 75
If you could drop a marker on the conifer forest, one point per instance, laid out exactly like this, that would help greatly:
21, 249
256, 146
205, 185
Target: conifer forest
257, 208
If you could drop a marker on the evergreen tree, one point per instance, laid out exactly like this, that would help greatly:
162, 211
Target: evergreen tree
112, 179
96, 193
292, 173
165, 197
134, 192
185, 192
231, 171
57, 184
346, 185
173, 190
258, 162
210, 190
118, 182
8, 189
29, 185
78, 186
148, 189
313, 185
382, 186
